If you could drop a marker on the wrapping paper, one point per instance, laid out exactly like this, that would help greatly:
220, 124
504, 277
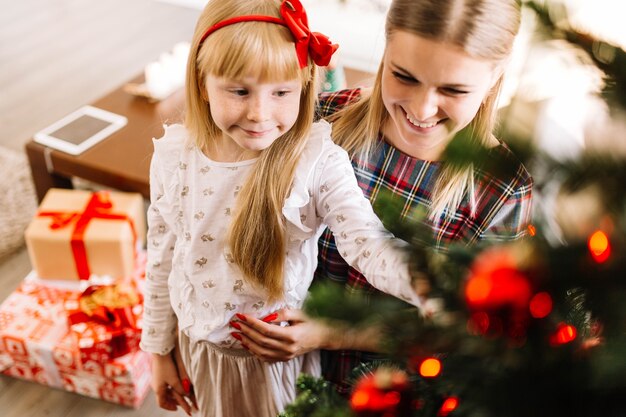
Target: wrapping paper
37, 344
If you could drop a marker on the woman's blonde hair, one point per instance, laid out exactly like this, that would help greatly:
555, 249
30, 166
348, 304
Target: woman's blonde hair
484, 29
267, 52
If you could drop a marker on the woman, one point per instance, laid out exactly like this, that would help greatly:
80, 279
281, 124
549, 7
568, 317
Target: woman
441, 72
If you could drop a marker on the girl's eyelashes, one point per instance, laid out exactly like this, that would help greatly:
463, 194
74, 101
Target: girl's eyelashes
239, 91
282, 93
242, 92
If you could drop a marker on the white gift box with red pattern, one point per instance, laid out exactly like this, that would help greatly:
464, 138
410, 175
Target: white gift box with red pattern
36, 344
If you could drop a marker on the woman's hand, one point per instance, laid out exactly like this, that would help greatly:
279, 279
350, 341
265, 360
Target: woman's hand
171, 384
271, 342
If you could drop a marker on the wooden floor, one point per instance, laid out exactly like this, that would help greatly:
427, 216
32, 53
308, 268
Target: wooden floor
56, 55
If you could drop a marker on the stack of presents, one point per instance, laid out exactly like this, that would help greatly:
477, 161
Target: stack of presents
75, 321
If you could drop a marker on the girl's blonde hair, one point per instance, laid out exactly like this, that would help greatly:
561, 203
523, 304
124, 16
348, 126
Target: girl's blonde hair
266, 51
484, 29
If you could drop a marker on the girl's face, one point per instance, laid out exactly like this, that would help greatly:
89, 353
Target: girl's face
431, 91
251, 114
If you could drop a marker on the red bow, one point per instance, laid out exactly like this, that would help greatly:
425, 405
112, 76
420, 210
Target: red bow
314, 43
119, 316
113, 307
294, 18
98, 207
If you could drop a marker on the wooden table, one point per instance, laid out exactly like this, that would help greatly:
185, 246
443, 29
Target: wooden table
122, 160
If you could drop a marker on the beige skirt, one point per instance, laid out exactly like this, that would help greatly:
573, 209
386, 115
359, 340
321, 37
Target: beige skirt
233, 383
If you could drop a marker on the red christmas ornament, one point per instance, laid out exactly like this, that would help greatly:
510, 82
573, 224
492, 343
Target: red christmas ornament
385, 393
497, 286
564, 334
498, 294
540, 305
448, 406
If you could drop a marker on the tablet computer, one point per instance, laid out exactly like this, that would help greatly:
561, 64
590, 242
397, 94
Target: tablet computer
80, 130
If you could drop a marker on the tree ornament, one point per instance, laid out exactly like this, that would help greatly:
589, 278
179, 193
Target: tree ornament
449, 405
384, 393
540, 305
564, 334
498, 293
495, 281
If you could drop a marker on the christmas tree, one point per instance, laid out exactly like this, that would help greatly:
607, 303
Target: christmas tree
535, 327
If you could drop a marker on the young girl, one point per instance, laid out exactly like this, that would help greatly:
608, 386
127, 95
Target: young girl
240, 195
441, 72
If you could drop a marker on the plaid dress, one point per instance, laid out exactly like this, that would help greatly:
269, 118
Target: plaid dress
503, 213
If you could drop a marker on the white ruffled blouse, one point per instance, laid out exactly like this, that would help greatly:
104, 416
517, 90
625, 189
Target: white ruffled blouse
192, 282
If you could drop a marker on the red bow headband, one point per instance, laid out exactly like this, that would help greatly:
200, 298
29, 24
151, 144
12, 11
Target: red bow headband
294, 18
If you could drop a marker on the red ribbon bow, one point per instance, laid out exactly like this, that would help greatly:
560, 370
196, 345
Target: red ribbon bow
316, 44
294, 18
119, 319
98, 207
114, 317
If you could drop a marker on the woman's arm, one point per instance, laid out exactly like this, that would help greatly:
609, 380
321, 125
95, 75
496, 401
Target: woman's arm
274, 343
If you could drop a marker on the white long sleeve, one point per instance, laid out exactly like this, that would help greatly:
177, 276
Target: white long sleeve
360, 236
159, 320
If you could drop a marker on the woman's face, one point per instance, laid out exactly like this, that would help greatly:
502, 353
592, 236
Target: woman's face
431, 91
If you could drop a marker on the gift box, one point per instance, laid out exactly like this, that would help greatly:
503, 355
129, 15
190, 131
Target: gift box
105, 320
37, 344
77, 233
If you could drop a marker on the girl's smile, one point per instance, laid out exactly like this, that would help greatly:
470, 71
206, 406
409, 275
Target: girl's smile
251, 114
258, 133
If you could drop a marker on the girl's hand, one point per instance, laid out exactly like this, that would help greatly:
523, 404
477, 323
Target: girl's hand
271, 342
167, 384
184, 378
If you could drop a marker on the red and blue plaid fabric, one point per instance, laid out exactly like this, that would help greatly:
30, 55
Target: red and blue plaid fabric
503, 213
